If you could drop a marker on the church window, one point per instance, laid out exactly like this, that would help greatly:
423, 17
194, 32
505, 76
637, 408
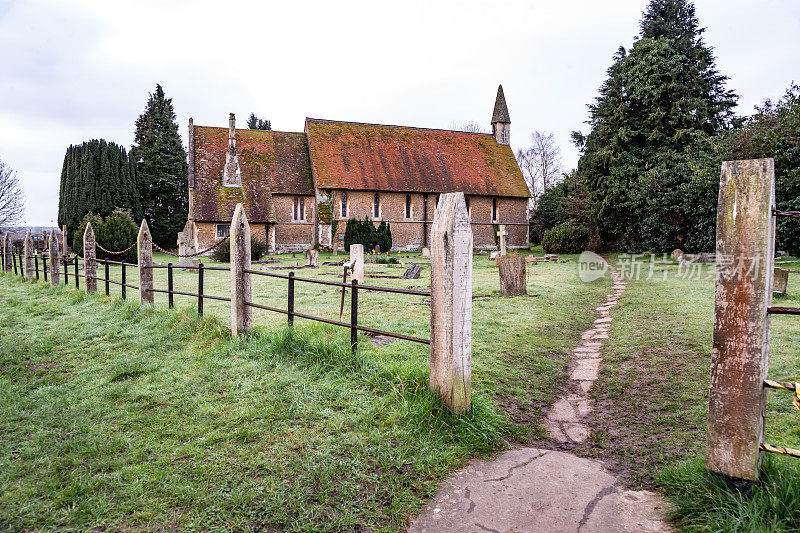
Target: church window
302, 208
466, 201
494, 209
296, 202
299, 208
408, 206
344, 205
223, 230
376, 208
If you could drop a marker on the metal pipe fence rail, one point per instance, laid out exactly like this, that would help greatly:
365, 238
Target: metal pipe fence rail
354, 287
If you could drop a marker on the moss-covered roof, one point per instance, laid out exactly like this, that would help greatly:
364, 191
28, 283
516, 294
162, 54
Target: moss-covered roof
271, 162
350, 155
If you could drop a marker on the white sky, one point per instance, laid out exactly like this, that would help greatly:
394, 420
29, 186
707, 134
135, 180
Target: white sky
73, 71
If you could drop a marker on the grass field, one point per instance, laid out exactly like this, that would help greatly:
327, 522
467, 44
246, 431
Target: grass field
118, 417
652, 403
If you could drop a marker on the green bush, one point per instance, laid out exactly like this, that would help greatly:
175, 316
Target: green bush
387, 260
77, 237
568, 238
222, 253
364, 232
116, 233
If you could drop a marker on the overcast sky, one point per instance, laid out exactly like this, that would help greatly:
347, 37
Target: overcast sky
73, 71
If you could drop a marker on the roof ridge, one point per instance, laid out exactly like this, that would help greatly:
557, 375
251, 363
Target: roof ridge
395, 126
248, 129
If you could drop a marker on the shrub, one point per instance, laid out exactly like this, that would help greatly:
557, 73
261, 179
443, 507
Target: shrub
568, 238
222, 253
116, 233
364, 232
387, 260
77, 238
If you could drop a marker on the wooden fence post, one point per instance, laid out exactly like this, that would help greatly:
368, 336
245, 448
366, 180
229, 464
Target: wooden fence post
144, 248
28, 251
52, 246
357, 255
740, 354
6, 253
451, 303
89, 259
241, 283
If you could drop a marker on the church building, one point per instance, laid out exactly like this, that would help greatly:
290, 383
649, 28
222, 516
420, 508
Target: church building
300, 188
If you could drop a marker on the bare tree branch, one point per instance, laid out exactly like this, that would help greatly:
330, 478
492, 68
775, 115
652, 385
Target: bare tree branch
12, 204
540, 164
469, 127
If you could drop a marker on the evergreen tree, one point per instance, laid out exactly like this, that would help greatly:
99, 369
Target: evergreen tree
661, 100
96, 177
161, 169
255, 123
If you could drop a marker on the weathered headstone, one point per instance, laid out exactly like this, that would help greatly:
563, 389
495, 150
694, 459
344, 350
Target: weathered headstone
89, 259
241, 282
740, 352
493, 255
377, 248
502, 234
335, 247
6, 252
451, 303
426, 252
357, 260
513, 279
144, 245
187, 245
313, 258
676, 253
53, 265
780, 280
413, 271
28, 254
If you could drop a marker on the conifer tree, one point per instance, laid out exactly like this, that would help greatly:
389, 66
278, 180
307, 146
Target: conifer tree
161, 169
661, 99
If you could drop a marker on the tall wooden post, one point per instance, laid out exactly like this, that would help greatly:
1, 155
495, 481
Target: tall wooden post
451, 303
28, 251
740, 355
6, 253
89, 259
357, 260
144, 247
52, 247
241, 283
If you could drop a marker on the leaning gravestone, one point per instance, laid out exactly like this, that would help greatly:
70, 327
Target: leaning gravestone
780, 280
512, 275
413, 271
313, 258
187, 245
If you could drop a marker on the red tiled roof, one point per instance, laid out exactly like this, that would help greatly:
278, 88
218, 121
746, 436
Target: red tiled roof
271, 162
348, 155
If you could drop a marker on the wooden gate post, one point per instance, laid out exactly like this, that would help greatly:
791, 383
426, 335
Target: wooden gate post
28, 251
144, 248
241, 281
357, 260
52, 247
89, 259
740, 355
451, 303
6, 253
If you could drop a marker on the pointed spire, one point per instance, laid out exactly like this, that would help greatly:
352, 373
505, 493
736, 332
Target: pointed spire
500, 108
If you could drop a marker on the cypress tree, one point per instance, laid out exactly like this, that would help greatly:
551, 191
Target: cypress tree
161, 169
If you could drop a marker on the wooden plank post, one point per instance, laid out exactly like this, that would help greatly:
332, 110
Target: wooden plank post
6, 253
241, 281
451, 303
144, 248
740, 353
357, 260
89, 259
28, 251
52, 246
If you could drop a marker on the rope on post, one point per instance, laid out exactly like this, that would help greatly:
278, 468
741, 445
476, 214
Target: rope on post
129, 248
780, 450
162, 250
792, 387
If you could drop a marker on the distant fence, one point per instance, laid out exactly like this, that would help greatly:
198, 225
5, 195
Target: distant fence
450, 295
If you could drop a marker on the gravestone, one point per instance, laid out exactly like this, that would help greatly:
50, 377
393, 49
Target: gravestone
451, 303
335, 247
502, 234
313, 258
513, 280
413, 271
494, 255
780, 280
357, 260
187, 245
743, 293
377, 249
676, 253
426, 252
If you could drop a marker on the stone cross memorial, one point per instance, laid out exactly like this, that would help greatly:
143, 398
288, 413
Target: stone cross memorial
451, 303
743, 293
502, 233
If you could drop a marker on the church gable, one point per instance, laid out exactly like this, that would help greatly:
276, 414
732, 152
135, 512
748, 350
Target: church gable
269, 162
349, 155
